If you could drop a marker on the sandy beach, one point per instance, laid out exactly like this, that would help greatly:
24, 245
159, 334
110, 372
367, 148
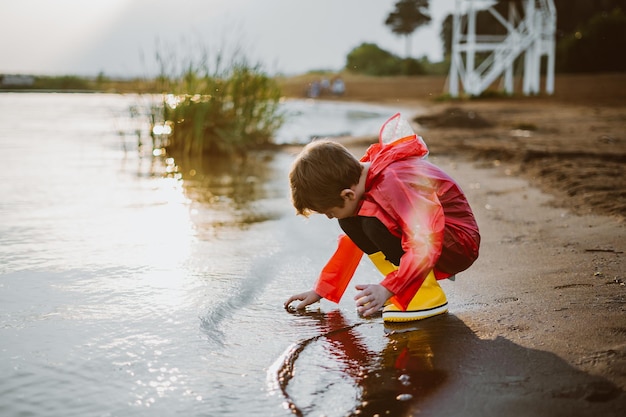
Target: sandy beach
542, 312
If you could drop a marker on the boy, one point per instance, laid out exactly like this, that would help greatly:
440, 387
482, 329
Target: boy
406, 214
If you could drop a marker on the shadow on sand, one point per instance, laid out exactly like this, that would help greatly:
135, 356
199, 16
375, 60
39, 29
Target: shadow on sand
437, 367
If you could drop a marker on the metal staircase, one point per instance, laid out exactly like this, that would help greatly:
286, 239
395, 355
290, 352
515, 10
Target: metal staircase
529, 35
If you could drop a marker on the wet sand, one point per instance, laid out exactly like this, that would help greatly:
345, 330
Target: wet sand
537, 326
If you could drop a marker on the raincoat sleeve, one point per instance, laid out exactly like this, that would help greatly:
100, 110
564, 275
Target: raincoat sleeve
338, 272
413, 204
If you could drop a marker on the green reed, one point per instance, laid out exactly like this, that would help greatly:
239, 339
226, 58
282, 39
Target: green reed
230, 110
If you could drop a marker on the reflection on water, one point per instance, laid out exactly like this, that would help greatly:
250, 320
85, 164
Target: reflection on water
436, 366
383, 378
230, 186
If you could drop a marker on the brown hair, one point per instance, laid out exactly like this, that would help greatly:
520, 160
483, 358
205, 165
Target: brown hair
318, 175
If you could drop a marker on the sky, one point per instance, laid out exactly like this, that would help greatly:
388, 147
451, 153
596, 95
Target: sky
120, 38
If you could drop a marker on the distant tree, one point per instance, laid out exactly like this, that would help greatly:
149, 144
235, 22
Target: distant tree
445, 34
574, 13
407, 17
369, 59
101, 78
598, 45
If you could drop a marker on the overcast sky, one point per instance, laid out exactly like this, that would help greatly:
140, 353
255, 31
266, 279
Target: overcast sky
121, 37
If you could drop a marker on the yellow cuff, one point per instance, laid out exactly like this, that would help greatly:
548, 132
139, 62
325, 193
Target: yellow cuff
382, 264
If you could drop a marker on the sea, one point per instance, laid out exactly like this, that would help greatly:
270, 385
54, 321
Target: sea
133, 284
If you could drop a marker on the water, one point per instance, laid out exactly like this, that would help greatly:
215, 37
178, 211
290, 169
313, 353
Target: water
311, 118
132, 285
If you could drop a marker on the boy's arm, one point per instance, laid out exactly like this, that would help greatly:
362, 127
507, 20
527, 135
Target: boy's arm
338, 272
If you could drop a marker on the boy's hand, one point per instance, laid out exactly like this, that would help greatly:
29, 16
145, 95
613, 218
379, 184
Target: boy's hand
307, 298
371, 298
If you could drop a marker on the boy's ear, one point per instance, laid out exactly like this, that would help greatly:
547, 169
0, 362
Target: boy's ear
347, 194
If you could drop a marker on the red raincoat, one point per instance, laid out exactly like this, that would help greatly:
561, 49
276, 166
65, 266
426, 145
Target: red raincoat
417, 202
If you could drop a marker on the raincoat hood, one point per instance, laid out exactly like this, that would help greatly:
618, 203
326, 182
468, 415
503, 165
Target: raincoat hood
396, 141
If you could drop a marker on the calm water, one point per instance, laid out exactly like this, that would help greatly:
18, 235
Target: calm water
133, 286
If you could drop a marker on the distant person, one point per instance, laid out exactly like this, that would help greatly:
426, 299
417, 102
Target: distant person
338, 87
314, 90
325, 86
409, 216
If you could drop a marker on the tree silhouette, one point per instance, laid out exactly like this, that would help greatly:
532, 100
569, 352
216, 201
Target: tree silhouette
407, 17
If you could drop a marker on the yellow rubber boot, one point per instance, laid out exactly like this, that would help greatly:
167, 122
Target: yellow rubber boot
382, 264
430, 300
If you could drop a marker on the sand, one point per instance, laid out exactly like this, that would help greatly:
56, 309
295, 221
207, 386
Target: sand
542, 313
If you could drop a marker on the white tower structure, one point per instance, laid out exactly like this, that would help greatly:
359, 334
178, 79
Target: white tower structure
530, 34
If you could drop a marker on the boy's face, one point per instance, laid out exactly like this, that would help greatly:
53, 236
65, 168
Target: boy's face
349, 208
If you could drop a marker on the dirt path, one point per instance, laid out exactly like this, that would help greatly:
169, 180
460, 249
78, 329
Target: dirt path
575, 152
547, 279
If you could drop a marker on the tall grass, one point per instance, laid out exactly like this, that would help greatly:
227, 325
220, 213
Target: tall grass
218, 109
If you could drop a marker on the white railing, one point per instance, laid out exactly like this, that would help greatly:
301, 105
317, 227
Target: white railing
529, 35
